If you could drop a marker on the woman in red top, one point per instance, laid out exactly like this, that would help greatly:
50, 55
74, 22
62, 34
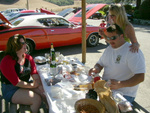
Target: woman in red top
17, 68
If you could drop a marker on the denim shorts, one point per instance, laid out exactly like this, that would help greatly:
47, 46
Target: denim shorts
130, 99
8, 91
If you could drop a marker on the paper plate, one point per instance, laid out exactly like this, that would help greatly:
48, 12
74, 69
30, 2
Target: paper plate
40, 60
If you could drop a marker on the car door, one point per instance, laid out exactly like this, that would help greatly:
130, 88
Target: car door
62, 33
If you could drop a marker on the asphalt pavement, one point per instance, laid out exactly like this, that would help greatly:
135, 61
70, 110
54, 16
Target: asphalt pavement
142, 101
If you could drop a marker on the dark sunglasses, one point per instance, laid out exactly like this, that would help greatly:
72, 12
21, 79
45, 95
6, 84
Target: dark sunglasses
112, 16
23, 43
112, 38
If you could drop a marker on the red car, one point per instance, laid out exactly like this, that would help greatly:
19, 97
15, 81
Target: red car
97, 15
90, 10
42, 30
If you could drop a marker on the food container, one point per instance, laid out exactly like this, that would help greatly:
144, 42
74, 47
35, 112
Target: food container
125, 106
89, 106
74, 67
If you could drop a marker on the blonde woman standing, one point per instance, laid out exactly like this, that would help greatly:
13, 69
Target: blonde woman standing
118, 15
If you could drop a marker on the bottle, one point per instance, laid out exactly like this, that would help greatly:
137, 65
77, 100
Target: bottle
53, 61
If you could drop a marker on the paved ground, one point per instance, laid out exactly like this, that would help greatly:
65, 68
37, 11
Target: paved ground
93, 53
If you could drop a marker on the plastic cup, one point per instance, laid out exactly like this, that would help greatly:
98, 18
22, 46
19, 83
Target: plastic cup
57, 53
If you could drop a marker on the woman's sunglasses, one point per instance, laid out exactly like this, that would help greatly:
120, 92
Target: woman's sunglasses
23, 43
111, 16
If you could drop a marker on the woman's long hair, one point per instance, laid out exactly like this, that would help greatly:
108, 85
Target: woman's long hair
120, 13
14, 45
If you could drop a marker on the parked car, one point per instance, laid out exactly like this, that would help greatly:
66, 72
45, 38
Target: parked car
65, 12
7, 11
76, 9
42, 30
17, 15
90, 10
130, 17
28, 11
46, 11
11, 14
97, 15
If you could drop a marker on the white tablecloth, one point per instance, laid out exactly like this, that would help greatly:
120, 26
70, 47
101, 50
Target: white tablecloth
62, 101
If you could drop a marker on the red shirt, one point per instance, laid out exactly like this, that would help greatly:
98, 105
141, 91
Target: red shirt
7, 68
102, 24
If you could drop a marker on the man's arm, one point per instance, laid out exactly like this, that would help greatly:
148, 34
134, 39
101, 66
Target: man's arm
97, 69
136, 79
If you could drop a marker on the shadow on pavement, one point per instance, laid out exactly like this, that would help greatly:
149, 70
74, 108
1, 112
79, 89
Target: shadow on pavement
71, 50
138, 108
6, 2
77, 49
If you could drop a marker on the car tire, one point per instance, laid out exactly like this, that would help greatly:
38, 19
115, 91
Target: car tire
93, 40
29, 47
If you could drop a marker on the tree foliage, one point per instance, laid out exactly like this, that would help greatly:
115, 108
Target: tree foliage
71, 2
117, 1
144, 10
128, 8
138, 3
61, 2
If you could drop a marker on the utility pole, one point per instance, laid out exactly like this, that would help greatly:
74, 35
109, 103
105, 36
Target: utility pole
84, 31
27, 4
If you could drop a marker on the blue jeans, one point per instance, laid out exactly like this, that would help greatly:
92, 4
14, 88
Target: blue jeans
130, 99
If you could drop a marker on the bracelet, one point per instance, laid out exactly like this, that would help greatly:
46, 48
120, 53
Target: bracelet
136, 44
96, 67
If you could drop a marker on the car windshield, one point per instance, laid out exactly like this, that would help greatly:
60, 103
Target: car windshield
54, 22
1, 21
17, 21
87, 9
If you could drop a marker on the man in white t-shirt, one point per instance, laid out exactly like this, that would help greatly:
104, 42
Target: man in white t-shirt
122, 67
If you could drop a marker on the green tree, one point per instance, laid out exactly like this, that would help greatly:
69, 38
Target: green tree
144, 10
138, 3
117, 1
